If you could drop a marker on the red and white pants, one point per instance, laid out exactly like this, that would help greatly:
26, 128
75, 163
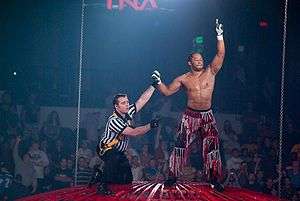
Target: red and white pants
197, 124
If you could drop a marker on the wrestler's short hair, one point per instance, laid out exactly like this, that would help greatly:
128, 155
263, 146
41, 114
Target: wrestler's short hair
190, 56
116, 98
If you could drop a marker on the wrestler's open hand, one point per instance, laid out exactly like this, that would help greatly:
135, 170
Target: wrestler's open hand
156, 78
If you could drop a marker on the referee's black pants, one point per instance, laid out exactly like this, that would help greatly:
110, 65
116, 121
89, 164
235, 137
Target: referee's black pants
116, 168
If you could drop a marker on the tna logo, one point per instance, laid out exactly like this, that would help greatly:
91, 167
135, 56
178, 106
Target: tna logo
135, 4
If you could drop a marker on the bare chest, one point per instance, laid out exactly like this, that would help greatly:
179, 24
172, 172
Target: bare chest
199, 83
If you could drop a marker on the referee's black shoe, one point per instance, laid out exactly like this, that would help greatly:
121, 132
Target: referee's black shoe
102, 189
97, 176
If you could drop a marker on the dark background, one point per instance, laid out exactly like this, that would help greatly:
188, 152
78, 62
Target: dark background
40, 41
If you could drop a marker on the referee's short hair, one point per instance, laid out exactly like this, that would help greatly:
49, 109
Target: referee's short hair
116, 98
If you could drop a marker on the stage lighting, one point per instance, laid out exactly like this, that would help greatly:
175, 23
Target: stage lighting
263, 24
199, 40
198, 44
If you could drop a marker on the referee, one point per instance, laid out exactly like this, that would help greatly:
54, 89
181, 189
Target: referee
114, 142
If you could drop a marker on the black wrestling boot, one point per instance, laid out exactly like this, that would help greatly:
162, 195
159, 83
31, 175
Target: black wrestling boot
214, 182
216, 185
170, 181
102, 189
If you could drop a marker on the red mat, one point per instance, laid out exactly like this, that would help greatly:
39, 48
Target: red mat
150, 191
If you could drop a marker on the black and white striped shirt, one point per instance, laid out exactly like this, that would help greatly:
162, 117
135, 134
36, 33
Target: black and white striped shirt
115, 125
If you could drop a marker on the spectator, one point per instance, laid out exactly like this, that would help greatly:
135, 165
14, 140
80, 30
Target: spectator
5, 179
266, 147
58, 151
252, 146
44, 146
255, 164
51, 128
234, 161
40, 161
48, 177
17, 189
268, 186
70, 163
96, 161
243, 174
260, 179
245, 155
84, 173
265, 130
30, 116
8, 114
24, 168
6, 153
250, 121
296, 149
294, 173
252, 183
84, 151
232, 179
62, 177
292, 138
269, 164
288, 190
229, 138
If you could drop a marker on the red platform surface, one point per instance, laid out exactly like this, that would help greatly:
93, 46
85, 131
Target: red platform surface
150, 191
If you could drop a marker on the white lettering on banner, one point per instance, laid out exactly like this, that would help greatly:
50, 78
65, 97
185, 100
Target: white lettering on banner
135, 4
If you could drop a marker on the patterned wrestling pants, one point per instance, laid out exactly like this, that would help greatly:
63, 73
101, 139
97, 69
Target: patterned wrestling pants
197, 124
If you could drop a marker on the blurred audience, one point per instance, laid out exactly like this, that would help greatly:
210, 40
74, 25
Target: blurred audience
34, 160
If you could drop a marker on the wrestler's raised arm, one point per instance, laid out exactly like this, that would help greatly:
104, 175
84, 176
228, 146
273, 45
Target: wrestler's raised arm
164, 89
217, 62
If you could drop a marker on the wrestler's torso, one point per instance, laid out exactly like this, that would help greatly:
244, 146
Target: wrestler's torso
199, 89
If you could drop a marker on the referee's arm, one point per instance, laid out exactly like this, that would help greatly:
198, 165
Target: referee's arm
144, 98
140, 130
